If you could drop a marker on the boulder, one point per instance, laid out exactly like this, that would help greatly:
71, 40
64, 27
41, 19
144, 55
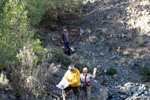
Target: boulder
104, 95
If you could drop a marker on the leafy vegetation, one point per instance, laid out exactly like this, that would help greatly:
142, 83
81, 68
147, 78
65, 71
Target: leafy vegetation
15, 31
62, 5
60, 57
16, 19
21, 53
145, 72
111, 71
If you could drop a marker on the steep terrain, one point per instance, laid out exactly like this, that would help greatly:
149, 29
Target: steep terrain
113, 34
116, 34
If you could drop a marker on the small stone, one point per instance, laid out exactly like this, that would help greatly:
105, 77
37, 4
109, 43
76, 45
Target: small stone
72, 48
88, 30
137, 84
128, 84
99, 66
113, 57
95, 81
81, 31
145, 92
123, 96
122, 89
105, 70
116, 62
52, 65
142, 95
59, 66
101, 54
115, 76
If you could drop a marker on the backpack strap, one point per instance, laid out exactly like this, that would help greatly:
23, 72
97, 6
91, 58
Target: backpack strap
85, 89
85, 78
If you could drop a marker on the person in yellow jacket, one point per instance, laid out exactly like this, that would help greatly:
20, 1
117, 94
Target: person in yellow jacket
73, 77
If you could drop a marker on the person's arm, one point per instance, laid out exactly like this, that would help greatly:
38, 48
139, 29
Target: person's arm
77, 79
66, 75
62, 38
94, 73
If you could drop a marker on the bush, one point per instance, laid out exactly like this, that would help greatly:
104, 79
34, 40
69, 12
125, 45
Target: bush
60, 57
145, 72
15, 31
35, 11
111, 71
62, 5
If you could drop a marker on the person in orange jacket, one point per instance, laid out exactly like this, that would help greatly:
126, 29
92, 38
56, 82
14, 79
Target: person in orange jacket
73, 77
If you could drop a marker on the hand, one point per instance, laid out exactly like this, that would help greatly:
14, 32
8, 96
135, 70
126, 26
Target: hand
95, 69
62, 41
69, 85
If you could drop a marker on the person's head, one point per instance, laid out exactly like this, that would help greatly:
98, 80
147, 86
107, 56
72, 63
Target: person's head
71, 68
85, 70
64, 28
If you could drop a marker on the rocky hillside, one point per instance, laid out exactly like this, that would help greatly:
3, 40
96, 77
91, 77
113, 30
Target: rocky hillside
115, 38
115, 33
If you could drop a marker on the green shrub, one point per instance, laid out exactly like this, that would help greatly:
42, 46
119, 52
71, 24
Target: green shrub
87, 57
63, 5
35, 11
60, 57
15, 31
79, 52
111, 71
145, 72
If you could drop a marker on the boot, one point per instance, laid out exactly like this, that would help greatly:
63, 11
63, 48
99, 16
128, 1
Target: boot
65, 51
69, 51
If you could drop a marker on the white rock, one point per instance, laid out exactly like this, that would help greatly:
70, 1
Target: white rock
140, 90
81, 31
145, 92
59, 66
95, 81
123, 96
101, 54
128, 84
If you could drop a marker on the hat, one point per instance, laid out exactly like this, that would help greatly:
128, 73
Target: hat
64, 27
71, 66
